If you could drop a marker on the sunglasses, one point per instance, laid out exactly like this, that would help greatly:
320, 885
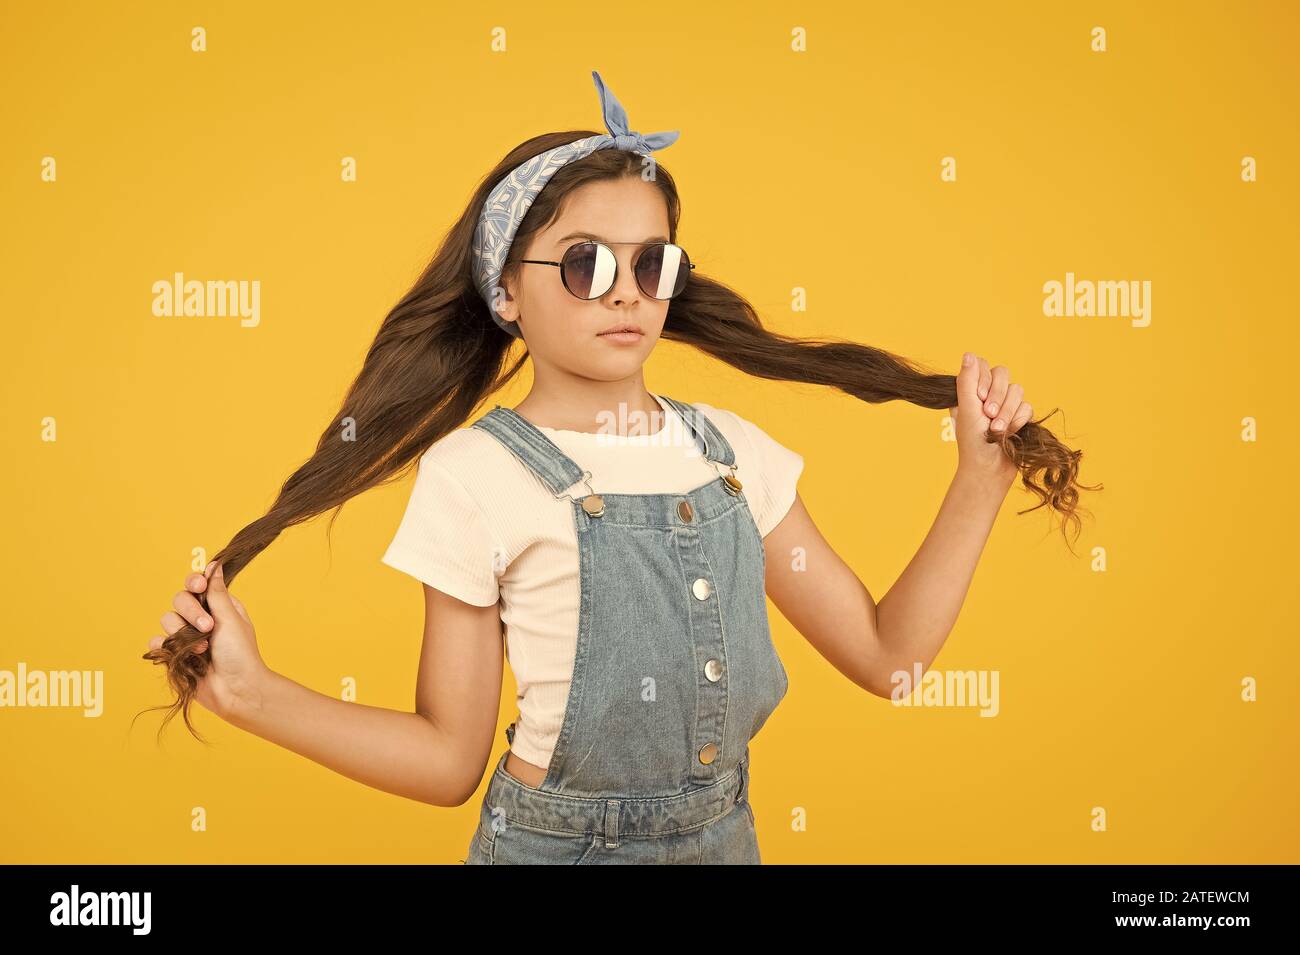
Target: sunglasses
588, 269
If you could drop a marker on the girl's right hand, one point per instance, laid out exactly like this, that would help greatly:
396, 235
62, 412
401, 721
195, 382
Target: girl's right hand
236, 666
981, 390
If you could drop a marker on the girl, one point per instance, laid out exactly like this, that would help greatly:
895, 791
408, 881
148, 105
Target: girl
625, 540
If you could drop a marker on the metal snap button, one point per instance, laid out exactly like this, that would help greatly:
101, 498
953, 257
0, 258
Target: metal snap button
708, 753
733, 483
684, 511
713, 670
594, 505
701, 588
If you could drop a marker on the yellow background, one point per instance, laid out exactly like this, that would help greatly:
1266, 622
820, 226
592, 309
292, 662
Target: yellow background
817, 169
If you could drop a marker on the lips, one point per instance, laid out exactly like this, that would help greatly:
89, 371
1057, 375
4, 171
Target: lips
625, 327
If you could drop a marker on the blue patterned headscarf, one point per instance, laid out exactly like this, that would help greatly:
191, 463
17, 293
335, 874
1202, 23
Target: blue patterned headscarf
507, 203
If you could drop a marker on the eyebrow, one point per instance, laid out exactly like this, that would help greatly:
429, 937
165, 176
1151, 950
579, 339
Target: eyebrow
592, 235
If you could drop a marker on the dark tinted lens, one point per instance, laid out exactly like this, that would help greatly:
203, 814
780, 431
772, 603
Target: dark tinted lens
662, 270
589, 269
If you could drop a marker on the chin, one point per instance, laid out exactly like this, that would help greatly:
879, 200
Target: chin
618, 368
612, 367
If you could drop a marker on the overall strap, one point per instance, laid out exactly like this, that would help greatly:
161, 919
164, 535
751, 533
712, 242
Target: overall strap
716, 447
538, 452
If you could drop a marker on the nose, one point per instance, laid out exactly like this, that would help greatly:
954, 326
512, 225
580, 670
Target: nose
625, 290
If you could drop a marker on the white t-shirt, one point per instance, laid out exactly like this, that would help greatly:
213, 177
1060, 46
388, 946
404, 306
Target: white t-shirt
482, 527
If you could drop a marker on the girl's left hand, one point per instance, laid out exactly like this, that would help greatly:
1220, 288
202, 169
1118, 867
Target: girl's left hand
987, 399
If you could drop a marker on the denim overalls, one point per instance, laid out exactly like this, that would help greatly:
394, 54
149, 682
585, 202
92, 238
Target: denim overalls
674, 673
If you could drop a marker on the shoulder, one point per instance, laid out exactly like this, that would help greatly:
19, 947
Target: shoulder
465, 453
744, 436
476, 459
483, 470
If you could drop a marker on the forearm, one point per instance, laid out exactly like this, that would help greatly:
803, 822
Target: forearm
915, 617
398, 752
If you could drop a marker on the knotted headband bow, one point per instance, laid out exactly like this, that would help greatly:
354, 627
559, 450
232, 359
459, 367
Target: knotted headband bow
510, 199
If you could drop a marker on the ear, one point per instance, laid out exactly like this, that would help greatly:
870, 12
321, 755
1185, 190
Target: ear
504, 301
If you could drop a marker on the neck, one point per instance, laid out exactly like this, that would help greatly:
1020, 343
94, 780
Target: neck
624, 407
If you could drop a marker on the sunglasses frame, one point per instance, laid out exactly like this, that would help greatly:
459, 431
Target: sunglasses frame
617, 266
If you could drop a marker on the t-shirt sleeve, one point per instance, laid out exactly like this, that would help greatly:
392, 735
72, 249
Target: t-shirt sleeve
778, 473
444, 539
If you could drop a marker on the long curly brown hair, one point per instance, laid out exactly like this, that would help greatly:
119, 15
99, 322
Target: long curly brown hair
438, 355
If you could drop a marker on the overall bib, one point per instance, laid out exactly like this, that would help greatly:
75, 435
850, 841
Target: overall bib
674, 673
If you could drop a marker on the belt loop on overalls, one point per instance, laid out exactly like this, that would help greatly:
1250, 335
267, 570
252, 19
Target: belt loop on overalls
611, 823
743, 770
